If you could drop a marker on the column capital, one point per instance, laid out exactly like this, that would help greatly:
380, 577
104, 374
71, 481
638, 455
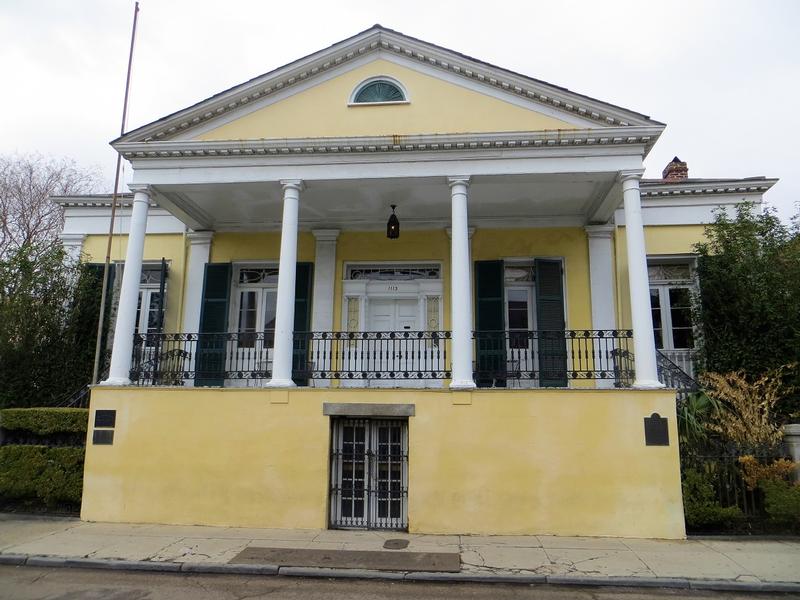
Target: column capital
630, 174
199, 237
449, 231
325, 235
600, 231
141, 188
458, 180
292, 184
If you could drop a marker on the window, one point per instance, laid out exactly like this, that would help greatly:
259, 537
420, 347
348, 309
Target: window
671, 289
377, 91
256, 302
152, 294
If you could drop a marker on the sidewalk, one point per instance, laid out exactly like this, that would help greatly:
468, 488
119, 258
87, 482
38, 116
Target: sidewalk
740, 564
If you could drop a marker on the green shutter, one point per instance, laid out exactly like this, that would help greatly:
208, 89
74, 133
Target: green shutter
550, 323
490, 324
302, 321
210, 359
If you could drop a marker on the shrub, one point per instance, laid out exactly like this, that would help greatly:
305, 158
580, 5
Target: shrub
746, 409
701, 510
45, 421
39, 474
755, 472
782, 502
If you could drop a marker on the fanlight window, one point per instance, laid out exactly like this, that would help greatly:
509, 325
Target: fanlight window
379, 91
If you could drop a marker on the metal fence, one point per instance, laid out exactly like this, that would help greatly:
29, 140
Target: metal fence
502, 358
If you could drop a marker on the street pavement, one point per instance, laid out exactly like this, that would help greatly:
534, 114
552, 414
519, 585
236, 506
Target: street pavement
740, 564
35, 583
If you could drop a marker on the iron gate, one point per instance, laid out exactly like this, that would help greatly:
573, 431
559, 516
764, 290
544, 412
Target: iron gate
369, 473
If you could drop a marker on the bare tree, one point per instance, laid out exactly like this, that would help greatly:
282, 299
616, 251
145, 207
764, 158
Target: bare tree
27, 215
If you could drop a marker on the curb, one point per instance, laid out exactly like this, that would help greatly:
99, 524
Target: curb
420, 576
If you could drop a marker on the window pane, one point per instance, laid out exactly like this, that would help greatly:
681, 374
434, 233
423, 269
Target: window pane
154, 313
681, 317
682, 338
517, 309
679, 297
139, 312
247, 319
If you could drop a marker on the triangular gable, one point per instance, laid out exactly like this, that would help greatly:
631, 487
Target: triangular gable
434, 106
554, 104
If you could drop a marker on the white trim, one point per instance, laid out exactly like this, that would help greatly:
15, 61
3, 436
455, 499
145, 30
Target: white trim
94, 220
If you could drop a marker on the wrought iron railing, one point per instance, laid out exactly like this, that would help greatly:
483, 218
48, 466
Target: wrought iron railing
673, 376
373, 355
211, 359
552, 358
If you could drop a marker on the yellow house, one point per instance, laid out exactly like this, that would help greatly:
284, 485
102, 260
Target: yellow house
391, 286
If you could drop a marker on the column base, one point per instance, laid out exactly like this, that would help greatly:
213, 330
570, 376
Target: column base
462, 384
648, 384
280, 383
116, 381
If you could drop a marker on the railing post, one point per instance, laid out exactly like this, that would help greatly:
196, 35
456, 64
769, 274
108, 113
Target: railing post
460, 287
644, 346
284, 311
122, 350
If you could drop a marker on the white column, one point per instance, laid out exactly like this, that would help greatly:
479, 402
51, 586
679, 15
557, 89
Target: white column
324, 278
460, 287
644, 346
199, 252
73, 244
119, 372
287, 274
601, 280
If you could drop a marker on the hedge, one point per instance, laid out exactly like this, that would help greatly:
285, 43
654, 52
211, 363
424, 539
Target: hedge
45, 421
40, 474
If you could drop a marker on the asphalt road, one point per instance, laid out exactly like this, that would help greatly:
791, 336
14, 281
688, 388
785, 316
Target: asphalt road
34, 583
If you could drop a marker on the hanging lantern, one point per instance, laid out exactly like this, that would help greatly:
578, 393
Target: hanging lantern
393, 226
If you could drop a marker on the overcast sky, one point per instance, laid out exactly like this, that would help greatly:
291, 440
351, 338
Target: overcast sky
724, 76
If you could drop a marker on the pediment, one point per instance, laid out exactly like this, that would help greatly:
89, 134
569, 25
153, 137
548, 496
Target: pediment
448, 93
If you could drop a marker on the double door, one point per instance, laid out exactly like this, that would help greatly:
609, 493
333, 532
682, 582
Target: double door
369, 474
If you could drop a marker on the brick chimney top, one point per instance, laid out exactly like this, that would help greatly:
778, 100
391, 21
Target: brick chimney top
675, 170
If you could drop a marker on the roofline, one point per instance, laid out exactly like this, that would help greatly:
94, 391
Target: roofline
227, 99
747, 185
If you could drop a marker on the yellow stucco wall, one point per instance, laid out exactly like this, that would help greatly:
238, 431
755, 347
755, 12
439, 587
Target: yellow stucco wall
563, 462
659, 240
232, 247
170, 246
435, 106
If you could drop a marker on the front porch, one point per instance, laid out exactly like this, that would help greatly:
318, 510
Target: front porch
501, 359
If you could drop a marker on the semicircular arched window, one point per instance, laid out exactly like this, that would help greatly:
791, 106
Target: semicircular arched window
379, 91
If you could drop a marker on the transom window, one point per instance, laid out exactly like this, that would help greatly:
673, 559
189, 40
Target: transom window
394, 272
378, 91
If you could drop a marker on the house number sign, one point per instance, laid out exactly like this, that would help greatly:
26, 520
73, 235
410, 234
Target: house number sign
392, 288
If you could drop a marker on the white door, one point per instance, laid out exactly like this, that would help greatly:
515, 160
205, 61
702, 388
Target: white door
250, 355
389, 354
520, 349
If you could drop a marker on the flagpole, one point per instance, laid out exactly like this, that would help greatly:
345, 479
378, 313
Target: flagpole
104, 293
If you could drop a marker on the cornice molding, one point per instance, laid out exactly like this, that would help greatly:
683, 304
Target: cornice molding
733, 186
199, 238
382, 40
325, 235
391, 144
600, 231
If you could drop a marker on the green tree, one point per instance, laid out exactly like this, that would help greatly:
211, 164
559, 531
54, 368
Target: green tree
748, 311
48, 313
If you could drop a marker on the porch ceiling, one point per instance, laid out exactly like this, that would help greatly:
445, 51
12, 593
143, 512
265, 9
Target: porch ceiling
496, 201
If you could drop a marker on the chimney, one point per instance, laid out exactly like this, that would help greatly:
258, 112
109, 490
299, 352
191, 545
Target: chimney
675, 170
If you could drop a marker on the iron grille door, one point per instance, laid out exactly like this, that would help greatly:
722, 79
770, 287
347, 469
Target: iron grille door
369, 474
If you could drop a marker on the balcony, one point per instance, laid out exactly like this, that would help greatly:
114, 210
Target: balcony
501, 359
